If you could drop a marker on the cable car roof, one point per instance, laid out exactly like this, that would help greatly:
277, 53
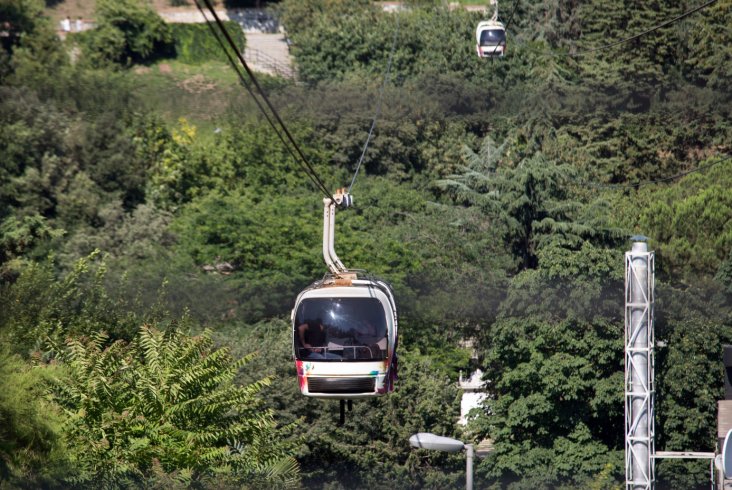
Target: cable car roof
332, 286
490, 24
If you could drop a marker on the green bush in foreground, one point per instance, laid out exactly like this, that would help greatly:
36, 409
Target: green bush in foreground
127, 32
164, 408
31, 443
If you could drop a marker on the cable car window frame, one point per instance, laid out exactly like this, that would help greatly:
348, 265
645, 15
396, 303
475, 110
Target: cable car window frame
359, 332
484, 41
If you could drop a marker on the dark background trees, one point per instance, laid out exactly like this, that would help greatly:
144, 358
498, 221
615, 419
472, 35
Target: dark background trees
497, 197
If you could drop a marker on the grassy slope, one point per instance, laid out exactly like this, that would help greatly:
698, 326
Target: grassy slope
200, 93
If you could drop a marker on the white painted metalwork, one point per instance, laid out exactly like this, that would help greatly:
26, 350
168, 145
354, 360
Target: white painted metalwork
425, 440
683, 455
344, 327
329, 208
639, 368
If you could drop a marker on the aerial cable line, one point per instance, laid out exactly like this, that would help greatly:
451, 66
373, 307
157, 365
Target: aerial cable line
307, 167
241, 77
313, 175
583, 52
513, 11
302, 160
638, 185
246, 84
387, 76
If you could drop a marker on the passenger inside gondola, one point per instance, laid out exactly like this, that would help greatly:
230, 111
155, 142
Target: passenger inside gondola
313, 340
372, 342
350, 329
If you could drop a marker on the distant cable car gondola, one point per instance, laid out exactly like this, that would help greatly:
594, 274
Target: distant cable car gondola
490, 36
344, 328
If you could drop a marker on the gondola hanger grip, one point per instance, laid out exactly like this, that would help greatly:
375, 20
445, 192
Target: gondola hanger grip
344, 199
344, 280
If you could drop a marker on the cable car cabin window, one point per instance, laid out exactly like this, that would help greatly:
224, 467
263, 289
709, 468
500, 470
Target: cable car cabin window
492, 37
340, 329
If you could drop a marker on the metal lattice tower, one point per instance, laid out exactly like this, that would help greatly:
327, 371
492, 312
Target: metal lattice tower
639, 361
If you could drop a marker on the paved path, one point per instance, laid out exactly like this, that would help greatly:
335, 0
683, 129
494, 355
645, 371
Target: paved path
268, 53
266, 49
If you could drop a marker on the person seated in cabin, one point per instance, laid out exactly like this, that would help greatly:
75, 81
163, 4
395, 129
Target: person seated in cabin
312, 336
373, 343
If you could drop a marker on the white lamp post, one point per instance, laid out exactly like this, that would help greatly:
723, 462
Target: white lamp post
425, 440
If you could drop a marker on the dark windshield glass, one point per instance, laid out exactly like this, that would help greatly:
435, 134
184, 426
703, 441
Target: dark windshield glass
492, 37
340, 329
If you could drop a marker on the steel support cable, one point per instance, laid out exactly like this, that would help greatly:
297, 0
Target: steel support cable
387, 76
513, 11
262, 93
302, 159
508, 23
247, 85
583, 52
638, 185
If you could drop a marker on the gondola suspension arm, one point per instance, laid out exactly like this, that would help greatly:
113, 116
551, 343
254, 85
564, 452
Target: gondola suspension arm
494, 18
340, 198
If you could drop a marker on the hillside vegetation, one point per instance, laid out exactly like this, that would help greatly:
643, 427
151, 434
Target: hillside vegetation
154, 233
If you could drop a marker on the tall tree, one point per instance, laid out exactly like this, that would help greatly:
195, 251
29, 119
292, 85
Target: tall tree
530, 202
553, 363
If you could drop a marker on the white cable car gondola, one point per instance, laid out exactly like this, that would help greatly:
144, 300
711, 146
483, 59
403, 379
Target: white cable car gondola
491, 39
344, 328
490, 36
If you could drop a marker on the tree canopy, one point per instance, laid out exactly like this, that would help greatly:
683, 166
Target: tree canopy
154, 234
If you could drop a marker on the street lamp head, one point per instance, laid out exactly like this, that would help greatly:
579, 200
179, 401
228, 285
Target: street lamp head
425, 440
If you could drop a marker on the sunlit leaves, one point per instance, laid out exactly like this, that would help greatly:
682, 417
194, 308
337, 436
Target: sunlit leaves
128, 31
32, 450
167, 398
690, 223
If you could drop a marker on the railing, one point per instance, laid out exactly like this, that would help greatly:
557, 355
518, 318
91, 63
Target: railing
255, 20
342, 352
265, 62
251, 20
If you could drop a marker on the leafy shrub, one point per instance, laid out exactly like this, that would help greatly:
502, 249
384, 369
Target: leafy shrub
17, 237
128, 31
165, 406
29, 47
41, 304
194, 43
31, 444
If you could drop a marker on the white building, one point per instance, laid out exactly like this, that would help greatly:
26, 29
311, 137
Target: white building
473, 394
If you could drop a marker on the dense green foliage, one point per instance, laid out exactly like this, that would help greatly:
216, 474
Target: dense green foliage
128, 31
166, 403
148, 263
195, 44
161, 406
32, 449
